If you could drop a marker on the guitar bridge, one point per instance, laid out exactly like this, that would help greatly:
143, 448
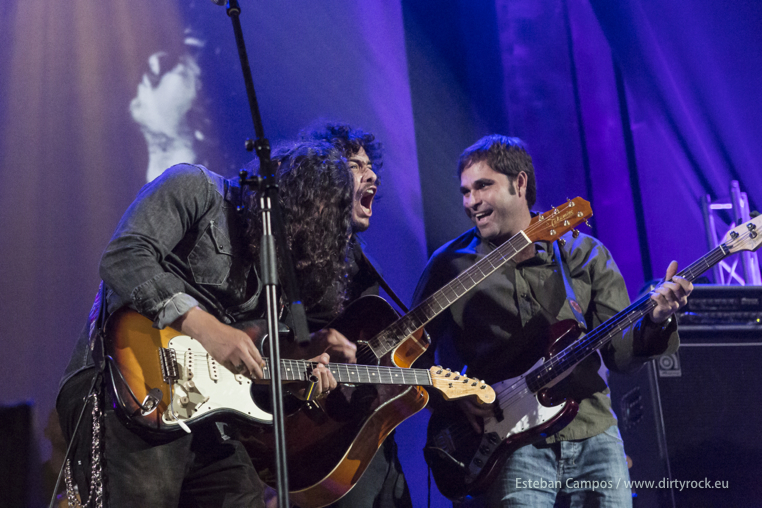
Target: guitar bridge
168, 361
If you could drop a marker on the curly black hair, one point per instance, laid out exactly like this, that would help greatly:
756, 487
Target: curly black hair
348, 140
315, 190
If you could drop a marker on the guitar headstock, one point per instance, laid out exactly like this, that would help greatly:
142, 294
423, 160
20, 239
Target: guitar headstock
747, 236
454, 386
549, 226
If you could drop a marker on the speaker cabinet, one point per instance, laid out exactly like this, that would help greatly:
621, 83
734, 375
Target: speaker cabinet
694, 418
17, 456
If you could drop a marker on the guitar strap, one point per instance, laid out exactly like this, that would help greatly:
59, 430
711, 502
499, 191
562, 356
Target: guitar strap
98, 329
390, 291
382, 282
571, 299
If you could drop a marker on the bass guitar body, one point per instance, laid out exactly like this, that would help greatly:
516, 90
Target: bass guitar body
330, 441
464, 462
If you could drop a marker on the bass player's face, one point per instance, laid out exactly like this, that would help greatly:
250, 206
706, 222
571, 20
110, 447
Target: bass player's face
495, 203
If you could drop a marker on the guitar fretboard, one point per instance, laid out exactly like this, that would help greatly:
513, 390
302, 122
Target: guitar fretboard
299, 370
570, 356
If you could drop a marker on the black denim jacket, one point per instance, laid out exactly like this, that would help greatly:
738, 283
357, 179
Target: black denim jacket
179, 244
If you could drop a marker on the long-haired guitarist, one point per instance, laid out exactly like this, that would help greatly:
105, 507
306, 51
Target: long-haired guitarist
383, 482
182, 256
500, 329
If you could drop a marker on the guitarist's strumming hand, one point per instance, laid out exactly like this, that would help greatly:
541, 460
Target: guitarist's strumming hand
233, 348
670, 295
475, 413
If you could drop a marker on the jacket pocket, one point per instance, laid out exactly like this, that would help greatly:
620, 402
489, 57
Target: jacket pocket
211, 258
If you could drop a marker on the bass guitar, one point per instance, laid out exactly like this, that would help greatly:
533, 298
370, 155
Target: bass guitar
330, 442
464, 462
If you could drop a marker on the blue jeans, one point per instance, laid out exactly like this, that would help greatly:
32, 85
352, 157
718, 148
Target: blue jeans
587, 473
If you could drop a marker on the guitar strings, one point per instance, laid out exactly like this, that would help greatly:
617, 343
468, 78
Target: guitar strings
385, 375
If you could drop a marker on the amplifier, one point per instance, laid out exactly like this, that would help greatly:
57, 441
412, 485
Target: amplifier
728, 307
694, 416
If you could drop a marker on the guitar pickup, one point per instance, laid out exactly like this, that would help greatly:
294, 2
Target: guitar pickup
189, 364
214, 373
168, 361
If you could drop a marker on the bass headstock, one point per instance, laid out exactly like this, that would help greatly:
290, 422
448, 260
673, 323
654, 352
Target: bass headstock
454, 386
747, 236
549, 226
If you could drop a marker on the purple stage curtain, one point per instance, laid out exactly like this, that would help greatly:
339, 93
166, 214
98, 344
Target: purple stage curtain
693, 71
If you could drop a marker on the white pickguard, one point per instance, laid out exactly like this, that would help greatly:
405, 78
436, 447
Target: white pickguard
521, 412
204, 385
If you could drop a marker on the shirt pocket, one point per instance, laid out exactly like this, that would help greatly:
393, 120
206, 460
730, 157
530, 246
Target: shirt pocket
211, 258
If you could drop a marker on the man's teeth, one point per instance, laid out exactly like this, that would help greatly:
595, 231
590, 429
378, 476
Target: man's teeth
480, 215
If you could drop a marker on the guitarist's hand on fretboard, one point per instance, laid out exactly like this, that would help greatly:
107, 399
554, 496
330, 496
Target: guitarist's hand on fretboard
322, 381
670, 296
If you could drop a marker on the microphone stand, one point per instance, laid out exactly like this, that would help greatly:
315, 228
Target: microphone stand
272, 222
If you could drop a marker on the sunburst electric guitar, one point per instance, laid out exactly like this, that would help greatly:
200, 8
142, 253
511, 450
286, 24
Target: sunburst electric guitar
464, 462
166, 382
330, 442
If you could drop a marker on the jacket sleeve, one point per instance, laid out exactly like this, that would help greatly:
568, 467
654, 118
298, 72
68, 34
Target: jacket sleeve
133, 263
636, 344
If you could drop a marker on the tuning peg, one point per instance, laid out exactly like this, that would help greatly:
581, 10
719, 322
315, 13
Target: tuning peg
562, 242
575, 233
587, 223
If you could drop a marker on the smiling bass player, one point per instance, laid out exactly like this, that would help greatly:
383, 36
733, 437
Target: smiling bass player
500, 329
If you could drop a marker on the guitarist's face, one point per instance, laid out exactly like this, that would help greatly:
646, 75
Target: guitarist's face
366, 184
495, 203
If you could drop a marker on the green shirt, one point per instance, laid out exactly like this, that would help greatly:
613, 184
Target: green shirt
501, 327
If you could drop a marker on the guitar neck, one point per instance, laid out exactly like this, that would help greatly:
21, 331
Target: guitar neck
570, 356
548, 226
428, 309
299, 370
